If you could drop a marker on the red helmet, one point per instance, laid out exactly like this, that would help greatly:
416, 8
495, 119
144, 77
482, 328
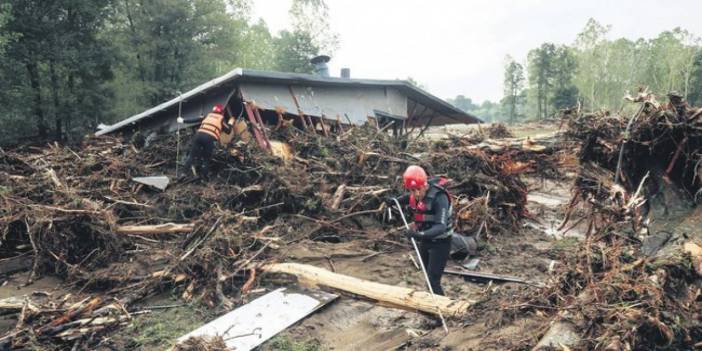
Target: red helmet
414, 177
218, 108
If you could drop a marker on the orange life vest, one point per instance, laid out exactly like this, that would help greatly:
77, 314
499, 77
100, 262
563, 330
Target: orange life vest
212, 125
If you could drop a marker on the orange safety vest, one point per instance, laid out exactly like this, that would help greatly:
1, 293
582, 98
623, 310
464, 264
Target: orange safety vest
212, 125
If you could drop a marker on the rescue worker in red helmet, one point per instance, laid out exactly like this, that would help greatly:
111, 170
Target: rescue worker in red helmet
205, 138
430, 205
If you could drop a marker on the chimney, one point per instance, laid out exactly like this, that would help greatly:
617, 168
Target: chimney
346, 73
320, 65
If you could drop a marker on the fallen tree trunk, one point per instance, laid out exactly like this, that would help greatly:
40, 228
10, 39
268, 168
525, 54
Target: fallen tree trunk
156, 229
394, 295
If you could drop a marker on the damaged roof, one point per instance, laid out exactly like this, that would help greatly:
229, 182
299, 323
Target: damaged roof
444, 113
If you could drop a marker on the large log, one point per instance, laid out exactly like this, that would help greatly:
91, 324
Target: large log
156, 229
390, 294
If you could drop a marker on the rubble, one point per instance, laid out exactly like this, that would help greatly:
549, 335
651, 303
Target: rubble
74, 212
78, 212
659, 143
615, 293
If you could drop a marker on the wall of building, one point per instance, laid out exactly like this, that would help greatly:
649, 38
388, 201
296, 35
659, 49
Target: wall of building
348, 103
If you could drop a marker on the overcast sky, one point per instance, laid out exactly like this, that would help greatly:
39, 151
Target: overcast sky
458, 47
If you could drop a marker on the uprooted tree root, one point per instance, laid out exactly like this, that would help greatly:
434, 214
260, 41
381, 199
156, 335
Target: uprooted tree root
617, 296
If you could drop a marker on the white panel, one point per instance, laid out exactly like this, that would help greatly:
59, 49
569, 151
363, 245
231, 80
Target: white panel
330, 101
356, 103
252, 324
269, 97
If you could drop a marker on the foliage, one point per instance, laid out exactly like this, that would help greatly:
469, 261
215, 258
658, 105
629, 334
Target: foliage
69, 65
513, 88
596, 70
695, 95
487, 111
463, 103
283, 343
293, 52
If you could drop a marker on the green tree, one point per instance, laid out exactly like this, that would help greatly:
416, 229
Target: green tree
592, 55
63, 65
311, 17
541, 67
695, 95
5, 34
464, 103
169, 46
488, 111
565, 93
293, 51
310, 36
513, 87
257, 48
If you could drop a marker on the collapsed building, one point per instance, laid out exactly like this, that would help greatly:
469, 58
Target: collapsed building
307, 101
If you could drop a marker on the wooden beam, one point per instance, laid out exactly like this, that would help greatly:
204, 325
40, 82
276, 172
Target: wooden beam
166, 228
389, 294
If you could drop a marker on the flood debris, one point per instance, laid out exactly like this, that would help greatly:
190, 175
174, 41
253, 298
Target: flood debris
631, 166
620, 290
77, 213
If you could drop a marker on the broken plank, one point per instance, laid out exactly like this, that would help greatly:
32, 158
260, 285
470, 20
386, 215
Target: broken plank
252, 324
156, 228
395, 295
489, 276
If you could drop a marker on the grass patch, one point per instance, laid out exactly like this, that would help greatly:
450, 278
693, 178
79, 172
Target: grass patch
159, 330
284, 343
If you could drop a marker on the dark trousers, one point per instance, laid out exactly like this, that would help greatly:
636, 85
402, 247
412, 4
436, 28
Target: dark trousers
434, 255
200, 153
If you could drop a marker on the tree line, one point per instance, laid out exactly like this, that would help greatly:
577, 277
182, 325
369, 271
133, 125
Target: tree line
595, 72
68, 65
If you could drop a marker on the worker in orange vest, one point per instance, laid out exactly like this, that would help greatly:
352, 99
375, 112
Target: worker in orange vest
203, 142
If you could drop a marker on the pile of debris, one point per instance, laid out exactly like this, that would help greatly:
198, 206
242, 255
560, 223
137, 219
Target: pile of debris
653, 153
83, 214
497, 131
614, 294
620, 291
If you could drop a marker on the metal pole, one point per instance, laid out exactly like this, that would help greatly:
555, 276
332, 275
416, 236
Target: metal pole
421, 264
180, 105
